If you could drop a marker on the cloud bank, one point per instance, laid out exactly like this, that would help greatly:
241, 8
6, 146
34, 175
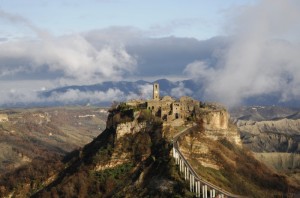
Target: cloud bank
73, 56
259, 56
263, 57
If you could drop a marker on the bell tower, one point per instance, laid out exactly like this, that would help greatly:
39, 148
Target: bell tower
155, 91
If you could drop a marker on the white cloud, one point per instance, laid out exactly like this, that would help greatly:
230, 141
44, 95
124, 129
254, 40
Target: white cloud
73, 55
262, 59
21, 97
72, 96
146, 91
181, 91
199, 70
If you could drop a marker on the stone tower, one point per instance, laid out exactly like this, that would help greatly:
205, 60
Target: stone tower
155, 91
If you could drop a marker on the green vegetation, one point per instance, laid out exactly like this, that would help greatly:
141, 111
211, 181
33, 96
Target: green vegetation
114, 173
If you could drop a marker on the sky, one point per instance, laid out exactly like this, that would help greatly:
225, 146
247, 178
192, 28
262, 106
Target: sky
236, 48
197, 18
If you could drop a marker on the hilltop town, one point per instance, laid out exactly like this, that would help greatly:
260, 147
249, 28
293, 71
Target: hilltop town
177, 111
168, 108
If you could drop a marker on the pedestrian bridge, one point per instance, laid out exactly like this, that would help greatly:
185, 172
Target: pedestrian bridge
198, 185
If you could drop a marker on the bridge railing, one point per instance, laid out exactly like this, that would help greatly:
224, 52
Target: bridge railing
198, 185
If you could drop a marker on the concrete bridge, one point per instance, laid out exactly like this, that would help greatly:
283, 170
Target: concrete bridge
198, 185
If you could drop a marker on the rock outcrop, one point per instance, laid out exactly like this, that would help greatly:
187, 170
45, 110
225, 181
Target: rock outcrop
271, 136
217, 126
280, 161
130, 128
215, 119
121, 154
282, 126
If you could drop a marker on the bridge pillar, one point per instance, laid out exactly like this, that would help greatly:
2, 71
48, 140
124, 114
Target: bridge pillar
193, 183
185, 173
180, 165
204, 191
198, 189
213, 193
190, 178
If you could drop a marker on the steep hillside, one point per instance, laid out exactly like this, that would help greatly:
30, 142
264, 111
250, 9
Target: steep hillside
231, 167
131, 158
33, 142
271, 136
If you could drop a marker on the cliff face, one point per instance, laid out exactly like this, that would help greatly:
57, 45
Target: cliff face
271, 136
124, 147
280, 161
273, 133
131, 157
216, 120
130, 128
282, 126
217, 126
229, 166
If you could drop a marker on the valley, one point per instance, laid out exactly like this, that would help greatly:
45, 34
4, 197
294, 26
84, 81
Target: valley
33, 138
273, 134
65, 151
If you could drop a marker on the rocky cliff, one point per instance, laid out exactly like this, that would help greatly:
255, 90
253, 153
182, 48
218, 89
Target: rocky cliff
271, 136
216, 125
131, 158
215, 119
273, 133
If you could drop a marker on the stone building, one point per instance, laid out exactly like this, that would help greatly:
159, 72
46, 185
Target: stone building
168, 108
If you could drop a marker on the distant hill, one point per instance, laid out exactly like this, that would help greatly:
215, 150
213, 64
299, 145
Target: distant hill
105, 93
260, 113
141, 88
33, 141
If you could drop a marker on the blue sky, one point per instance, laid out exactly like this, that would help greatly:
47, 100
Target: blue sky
194, 18
235, 49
